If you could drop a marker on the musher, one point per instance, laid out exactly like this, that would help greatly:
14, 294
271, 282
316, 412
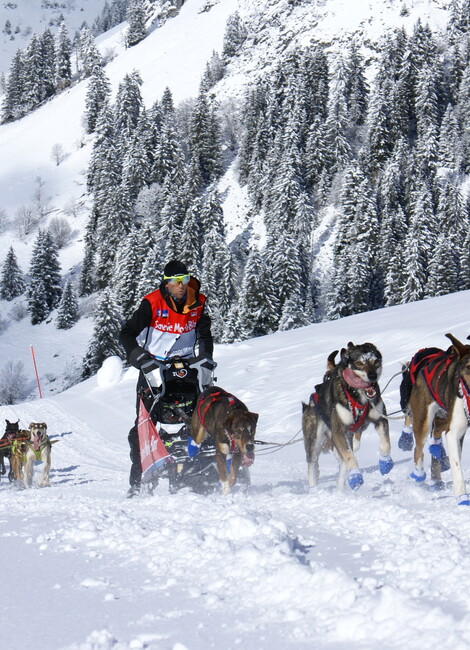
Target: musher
169, 322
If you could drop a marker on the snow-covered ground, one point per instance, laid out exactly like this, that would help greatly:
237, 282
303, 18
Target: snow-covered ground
271, 568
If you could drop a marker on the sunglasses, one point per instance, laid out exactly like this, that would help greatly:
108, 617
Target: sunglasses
177, 279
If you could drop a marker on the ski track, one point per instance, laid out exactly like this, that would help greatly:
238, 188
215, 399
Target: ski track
277, 555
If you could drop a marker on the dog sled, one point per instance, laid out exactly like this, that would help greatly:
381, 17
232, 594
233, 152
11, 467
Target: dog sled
167, 403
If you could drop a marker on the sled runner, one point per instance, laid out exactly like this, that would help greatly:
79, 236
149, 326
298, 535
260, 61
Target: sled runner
166, 407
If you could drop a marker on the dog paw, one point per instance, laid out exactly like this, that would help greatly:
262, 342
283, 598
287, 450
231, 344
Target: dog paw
355, 479
436, 449
418, 475
193, 447
463, 500
405, 441
385, 464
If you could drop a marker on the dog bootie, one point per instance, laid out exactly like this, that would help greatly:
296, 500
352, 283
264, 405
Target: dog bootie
418, 475
405, 441
436, 449
193, 448
463, 500
355, 479
385, 464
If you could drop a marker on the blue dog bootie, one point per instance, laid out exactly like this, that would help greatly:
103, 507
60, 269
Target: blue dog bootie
405, 441
355, 479
193, 448
463, 500
385, 464
436, 449
418, 475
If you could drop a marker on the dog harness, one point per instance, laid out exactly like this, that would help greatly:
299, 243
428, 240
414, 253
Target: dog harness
214, 397
465, 393
433, 364
359, 411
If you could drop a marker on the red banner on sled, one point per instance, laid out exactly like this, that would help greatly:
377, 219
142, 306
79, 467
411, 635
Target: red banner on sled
153, 455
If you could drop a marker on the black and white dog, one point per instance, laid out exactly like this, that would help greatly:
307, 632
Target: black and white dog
339, 410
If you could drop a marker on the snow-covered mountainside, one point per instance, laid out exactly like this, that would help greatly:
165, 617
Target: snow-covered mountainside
21, 18
274, 568
174, 56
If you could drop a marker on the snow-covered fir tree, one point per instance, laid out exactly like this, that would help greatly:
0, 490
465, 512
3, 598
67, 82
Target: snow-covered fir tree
68, 311
136, 17
12, 282
44, 290
104, 340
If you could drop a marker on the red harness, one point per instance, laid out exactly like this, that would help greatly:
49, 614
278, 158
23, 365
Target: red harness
214, 397
359, 411
433, 367
466, 395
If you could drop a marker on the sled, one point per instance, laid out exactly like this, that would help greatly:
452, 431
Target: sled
166, 407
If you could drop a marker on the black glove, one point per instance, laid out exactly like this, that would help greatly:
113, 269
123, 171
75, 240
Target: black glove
139, 356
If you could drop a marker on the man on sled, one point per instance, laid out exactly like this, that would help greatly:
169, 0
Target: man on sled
169, 322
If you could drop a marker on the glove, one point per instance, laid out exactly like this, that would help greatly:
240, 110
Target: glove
139, 356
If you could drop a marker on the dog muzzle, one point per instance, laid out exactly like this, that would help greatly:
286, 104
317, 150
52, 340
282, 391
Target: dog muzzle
354, 381
248, 458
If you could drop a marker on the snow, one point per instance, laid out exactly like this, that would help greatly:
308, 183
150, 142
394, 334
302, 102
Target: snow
276, 566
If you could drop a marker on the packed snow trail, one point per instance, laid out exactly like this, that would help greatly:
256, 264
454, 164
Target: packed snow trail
273, 567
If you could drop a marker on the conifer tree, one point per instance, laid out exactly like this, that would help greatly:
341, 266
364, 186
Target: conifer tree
63, 59
450, 141
89, 53
204, 138
12, 282
44, 291
33, 84
235, 35
336, 125
443, 269
105, 337
250, 305
68, 313
356, 90
12, 106
136, 17
127, 269
98, 93
48, 63
127, 109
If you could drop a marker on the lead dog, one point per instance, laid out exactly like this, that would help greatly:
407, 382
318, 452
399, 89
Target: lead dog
440, 402
339, 410
38, 448
231, 426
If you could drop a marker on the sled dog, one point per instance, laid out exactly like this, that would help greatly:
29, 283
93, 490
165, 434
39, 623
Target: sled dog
439, 401
38, 448
231, 426
340, 409
11, 431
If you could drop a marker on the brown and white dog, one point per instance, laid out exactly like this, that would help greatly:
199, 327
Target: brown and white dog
342, 406
440, 402
38, 449
231, 426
